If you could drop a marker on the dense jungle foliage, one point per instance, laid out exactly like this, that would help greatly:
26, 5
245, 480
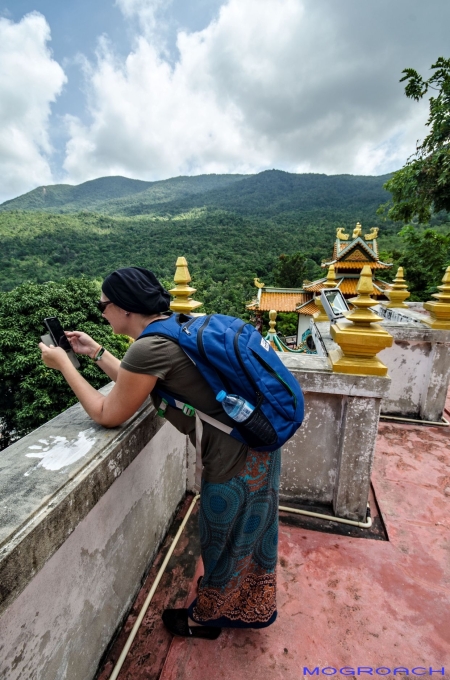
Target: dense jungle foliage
31, 393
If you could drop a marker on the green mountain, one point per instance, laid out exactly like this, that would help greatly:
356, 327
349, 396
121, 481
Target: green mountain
266, 194
230, 228
112, 195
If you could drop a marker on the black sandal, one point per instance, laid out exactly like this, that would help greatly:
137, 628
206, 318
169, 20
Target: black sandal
176, 621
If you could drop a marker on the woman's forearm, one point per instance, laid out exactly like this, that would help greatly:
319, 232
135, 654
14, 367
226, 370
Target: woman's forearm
91, 400
109, 365
127, 395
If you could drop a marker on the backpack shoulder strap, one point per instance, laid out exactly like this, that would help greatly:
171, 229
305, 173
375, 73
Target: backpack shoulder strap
168, 328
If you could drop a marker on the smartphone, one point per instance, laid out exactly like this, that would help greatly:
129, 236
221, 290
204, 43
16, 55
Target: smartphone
57, 332
58, 338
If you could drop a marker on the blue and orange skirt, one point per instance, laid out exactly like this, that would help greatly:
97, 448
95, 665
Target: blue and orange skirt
239, 540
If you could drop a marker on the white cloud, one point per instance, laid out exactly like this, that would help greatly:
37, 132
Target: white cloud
295, 84
30, 80
148, 13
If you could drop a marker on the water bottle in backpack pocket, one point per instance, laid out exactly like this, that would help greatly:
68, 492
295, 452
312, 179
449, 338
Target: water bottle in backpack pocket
236, 407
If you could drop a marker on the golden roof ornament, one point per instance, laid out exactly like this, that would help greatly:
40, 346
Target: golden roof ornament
398, 293
182, 302
330, 282
360, 337
357, 230
331, 277
341, 235
372, 234
258, 283
440, 310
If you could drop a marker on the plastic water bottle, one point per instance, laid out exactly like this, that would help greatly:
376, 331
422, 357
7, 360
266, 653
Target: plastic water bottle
236, 407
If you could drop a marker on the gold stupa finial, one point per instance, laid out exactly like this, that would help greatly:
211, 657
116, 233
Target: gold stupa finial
330, 282
272, 325
182, 302
340, 234
357, 230
360, 337
272, 322
331, 277
398, 293
440, 310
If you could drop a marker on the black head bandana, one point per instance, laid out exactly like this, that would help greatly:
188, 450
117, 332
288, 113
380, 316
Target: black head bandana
136, 289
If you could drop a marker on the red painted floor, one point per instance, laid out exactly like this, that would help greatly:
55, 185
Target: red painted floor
342, 602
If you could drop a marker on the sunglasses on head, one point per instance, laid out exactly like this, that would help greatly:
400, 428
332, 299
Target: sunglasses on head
103, 305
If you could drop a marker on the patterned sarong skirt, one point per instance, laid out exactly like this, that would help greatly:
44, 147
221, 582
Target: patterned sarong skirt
239, 539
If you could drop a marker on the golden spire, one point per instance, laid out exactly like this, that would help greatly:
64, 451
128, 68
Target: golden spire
331, 277
182, 302
440, 310
330, 282
398, 293
362, 314
360, 338
272, 324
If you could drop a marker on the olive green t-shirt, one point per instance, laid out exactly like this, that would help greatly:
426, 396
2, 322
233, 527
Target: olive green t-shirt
222, 456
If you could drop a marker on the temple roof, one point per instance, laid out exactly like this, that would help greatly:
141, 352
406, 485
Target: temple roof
280, 299
315, 286
308, 308
350, 254
359, 264
347, 285
355, 254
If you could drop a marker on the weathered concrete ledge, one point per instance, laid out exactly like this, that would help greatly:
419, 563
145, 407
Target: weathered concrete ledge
51, 479
418, 363
329, 459
84, 510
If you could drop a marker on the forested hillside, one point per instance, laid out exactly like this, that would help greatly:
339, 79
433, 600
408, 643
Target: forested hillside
266, 194
114, 194
227, 226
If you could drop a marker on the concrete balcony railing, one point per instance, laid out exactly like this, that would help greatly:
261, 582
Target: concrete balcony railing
84, 510
418, 363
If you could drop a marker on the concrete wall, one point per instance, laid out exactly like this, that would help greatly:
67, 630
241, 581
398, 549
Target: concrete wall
329, 459
302, 326
80, 537
418, 363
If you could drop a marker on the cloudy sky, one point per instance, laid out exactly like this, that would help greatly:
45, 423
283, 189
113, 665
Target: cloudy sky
152, 89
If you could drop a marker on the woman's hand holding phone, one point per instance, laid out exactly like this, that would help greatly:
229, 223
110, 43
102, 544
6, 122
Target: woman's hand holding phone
82, 343
54, 357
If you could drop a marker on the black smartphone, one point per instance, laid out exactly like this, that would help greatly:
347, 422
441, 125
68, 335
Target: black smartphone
56, 331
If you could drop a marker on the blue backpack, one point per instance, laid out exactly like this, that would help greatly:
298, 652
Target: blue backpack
233, 356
